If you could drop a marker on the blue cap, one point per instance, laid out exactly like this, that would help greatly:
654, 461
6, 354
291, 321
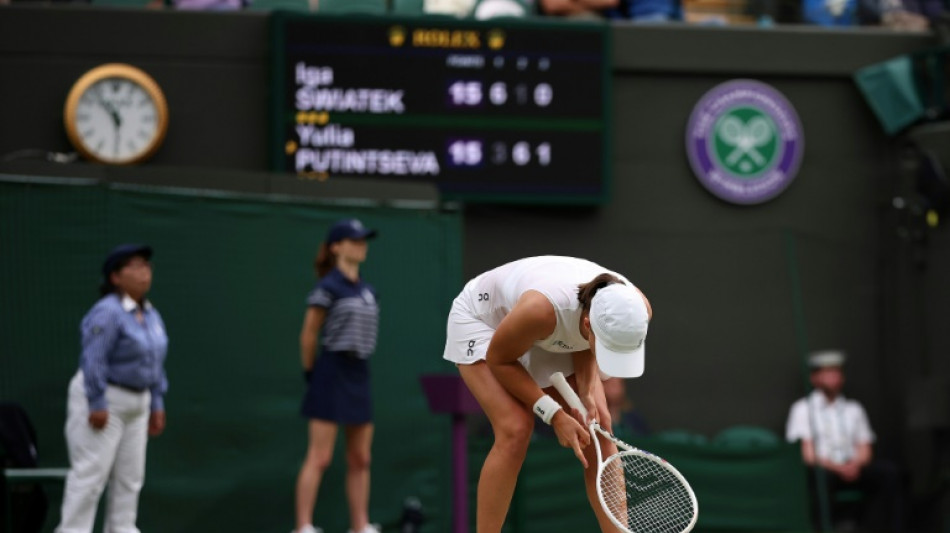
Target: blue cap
121, 253
349, 228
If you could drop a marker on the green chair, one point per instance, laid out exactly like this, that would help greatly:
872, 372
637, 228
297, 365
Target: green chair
844, 506
373, 7
121, 3
747, 437
681, 436
283, 5
889, 88
408, 7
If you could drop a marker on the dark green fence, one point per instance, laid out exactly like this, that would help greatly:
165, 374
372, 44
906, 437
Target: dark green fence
231, 276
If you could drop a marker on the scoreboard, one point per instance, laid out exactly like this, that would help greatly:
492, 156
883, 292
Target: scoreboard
513, 111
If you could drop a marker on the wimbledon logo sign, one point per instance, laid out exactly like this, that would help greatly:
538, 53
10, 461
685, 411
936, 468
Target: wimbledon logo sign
744, 142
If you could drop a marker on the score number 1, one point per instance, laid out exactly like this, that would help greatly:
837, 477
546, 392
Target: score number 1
470, 153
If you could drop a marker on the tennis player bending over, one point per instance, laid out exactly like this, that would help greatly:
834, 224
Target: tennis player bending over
514, 326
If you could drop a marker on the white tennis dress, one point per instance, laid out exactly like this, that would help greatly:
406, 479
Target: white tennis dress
489, 297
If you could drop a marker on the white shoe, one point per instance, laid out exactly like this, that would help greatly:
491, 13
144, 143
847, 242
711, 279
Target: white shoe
308, 529
369, 528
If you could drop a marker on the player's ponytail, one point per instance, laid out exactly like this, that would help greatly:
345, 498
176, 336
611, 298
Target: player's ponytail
586, 291
325, 260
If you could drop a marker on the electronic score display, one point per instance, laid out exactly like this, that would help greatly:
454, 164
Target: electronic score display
489, 111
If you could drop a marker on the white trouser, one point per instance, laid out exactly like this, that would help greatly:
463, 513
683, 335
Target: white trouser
114, 454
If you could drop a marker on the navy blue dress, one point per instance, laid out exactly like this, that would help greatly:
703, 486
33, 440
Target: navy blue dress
339, 388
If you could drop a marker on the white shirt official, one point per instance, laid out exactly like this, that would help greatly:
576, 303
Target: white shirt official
836, 428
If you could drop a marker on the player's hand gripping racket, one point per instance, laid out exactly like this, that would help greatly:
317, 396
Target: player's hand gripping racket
639, 491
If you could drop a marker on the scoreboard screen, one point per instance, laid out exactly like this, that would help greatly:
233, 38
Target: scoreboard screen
512, 111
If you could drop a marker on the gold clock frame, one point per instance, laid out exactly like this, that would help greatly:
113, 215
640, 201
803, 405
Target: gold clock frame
115, 70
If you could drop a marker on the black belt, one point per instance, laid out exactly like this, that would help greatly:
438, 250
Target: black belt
137, 390
353, 354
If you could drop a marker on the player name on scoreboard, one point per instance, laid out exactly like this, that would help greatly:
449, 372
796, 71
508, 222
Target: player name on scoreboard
328, 148
486, 112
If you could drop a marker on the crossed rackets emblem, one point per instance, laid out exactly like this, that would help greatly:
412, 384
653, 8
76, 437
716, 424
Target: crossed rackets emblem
745, 138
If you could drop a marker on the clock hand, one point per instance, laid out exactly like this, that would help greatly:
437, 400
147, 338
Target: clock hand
116, 117
110, 109
116, 123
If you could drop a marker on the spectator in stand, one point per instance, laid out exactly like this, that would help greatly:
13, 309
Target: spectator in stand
589, 9
830, 12
200, 5
903, 15
634, 10
624, 415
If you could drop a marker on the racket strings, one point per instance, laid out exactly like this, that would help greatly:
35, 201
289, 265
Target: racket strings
644, 495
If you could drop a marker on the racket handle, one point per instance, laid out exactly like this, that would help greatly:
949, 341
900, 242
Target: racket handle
560, 383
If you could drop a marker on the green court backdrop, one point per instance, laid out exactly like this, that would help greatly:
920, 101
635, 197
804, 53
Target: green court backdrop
231, 274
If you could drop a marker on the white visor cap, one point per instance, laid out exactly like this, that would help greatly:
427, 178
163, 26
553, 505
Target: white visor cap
826, 358
619, 320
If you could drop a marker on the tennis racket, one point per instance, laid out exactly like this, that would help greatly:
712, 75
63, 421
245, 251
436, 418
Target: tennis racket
640, 492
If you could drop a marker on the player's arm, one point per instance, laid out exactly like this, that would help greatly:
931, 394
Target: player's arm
531, 319
312, 322
589, 387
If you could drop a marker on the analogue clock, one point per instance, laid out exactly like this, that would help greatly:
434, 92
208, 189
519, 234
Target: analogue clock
116, 114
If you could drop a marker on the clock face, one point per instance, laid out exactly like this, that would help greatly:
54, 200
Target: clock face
116, 116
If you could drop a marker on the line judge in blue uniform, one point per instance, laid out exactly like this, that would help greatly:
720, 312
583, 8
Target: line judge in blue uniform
117, 398
342, 311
